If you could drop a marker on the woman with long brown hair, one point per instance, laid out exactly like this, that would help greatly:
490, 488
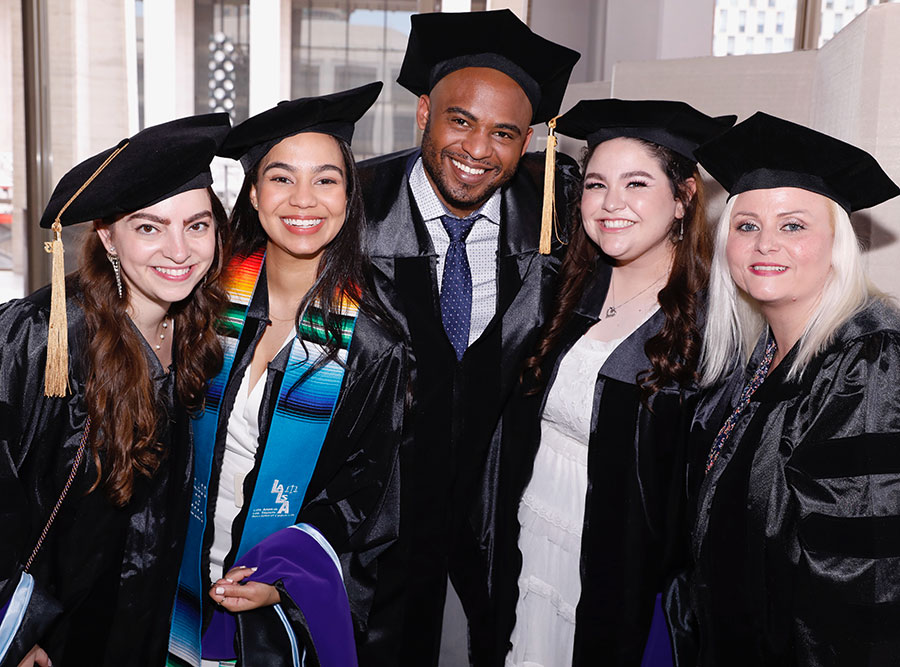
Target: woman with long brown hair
587, 477
102, 431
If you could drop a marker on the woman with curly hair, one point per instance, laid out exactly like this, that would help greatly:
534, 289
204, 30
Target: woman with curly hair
128, 345
586, 480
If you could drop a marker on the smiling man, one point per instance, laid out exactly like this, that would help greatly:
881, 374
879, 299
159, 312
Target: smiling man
453, 235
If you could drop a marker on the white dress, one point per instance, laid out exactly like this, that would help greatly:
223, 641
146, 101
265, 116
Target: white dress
551, 514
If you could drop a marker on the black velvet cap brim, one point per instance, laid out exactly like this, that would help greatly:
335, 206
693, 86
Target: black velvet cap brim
676, 125
155, 164
766, 152
441, 43
335, 114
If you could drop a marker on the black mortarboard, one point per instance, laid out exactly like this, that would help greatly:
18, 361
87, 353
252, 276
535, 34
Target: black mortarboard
333, 114
675, 125
155, 164
444, 42
767, 152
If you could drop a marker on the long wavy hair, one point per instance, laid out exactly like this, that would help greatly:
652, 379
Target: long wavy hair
734, 322
121, 402
673, 352
344, 267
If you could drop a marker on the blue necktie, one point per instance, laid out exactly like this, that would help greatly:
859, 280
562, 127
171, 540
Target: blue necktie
456, 285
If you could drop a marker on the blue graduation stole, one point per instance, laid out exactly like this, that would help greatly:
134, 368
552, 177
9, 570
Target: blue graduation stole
299, 425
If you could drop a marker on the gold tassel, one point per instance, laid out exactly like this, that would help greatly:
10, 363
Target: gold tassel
56, 373
548, 211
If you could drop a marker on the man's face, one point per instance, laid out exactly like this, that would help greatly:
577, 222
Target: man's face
475, 126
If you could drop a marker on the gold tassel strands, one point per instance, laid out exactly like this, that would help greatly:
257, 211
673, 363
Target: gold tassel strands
548, 210
56, 372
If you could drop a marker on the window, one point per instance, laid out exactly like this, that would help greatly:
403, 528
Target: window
770, 25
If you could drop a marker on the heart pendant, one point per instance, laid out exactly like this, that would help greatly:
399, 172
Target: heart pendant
611, 311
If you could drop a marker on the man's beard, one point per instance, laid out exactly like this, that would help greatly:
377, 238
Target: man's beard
458, 195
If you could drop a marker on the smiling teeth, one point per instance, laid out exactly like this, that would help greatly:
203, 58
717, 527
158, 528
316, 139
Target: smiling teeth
303, 224
468, 170
173, 272
617, 224
774, 269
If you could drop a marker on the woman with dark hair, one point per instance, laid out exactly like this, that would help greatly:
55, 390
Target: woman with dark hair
104, 432
795, 440
299, 447
593, 465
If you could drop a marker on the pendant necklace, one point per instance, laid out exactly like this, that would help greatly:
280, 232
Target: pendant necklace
612, 310
162, 336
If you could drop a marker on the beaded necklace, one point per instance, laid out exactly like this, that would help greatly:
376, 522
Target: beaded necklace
758, 377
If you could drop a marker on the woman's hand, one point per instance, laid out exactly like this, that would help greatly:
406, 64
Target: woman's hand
235, 596
37, 657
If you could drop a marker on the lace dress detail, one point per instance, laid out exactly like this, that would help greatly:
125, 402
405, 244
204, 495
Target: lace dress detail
551, 514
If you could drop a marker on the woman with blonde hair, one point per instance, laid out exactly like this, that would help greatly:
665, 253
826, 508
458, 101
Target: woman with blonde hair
795, 474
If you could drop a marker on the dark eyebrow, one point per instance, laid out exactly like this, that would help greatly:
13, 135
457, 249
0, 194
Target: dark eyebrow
630, 174
328, 167
143, 215
461, 112
279, 165
199, 215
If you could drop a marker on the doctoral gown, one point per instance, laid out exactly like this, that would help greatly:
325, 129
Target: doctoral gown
456, 404
113, 569
353, 497
634, 504
796, 537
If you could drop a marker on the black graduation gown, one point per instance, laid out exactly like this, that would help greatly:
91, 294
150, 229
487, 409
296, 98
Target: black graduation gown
456, 405
796, 538
353, 498
113, 569
633, 504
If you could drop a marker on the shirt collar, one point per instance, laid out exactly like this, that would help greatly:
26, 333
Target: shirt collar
431, 208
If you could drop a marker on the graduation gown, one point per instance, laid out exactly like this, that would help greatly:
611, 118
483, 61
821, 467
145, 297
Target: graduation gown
114, 570
795, 538
353, 495
456, 404
632, 508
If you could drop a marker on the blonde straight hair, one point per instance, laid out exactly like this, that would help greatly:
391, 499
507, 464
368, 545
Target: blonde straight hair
734, 322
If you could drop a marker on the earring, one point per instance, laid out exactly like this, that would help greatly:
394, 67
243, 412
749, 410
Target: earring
117, 269
681, 230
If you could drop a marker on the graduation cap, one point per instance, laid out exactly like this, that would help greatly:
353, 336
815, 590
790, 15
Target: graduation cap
675, 125
333, 114
157, 163
767, 152
442, 43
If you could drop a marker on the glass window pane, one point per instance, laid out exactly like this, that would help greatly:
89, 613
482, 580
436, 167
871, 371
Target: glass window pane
838, 13
756, 27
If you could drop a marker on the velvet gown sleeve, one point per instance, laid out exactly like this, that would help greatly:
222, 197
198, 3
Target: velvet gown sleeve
29, 423
843, 476
352, 504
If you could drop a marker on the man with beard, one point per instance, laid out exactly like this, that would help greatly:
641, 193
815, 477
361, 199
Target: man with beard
453, 235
